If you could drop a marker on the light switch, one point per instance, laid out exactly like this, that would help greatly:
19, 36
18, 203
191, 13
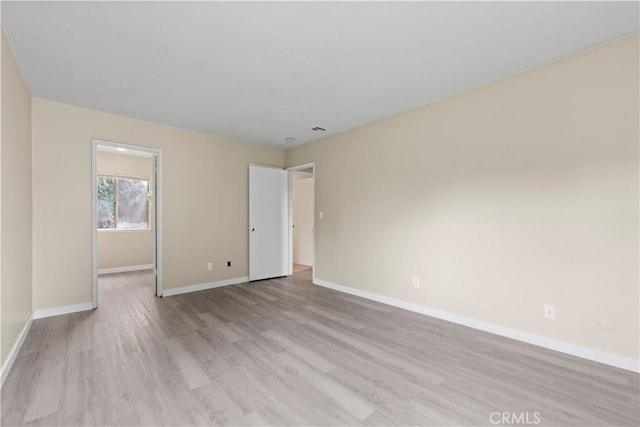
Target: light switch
321, 215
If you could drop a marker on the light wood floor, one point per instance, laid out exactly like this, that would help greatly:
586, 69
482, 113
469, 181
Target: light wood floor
285, 352
297, 268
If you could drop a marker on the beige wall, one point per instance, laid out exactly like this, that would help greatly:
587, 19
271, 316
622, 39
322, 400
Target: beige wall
205, 206
513, 195
124, 248
16, 201
303, 220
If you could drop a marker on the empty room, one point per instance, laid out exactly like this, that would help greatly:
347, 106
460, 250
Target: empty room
320, 213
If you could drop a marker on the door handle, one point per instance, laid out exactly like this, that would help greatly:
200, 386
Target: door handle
253, 229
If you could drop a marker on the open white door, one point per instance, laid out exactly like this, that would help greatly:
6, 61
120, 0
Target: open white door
268, 219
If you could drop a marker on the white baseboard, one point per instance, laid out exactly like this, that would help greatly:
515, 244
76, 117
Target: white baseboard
600, 356
57, 311
203, 286
8, 364
125, 269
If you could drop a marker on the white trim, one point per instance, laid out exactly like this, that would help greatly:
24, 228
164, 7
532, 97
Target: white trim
600, 356
303, 167
290, 224
125, 269
157, 230
58, 311
203, 286
124, 230
157, 235
8, 364
94, 224
291, 170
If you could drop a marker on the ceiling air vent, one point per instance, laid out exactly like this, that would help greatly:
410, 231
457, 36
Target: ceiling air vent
318, 129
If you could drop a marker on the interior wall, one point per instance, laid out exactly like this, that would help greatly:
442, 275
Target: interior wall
16, 202
205, 199
126, 248
303, 220
501, 199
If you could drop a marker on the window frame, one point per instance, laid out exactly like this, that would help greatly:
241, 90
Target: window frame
116, 191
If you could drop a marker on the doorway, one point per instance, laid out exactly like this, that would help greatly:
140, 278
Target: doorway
126, 213
302, 219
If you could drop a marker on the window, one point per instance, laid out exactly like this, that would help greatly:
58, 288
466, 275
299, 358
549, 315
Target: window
122, 203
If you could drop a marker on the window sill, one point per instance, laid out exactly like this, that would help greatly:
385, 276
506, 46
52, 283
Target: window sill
123, 230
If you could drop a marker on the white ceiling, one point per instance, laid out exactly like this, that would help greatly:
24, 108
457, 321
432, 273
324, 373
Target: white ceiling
262, 72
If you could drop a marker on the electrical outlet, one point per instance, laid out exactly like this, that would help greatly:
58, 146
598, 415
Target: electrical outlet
549, 311
209, 266
416, 282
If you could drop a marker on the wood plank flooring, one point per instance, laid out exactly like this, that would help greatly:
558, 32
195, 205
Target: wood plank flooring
285, 352
297, 268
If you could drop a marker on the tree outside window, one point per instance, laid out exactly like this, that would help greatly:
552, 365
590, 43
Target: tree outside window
122, 203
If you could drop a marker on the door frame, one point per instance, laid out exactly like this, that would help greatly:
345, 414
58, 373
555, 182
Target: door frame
157, 232
291, 171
